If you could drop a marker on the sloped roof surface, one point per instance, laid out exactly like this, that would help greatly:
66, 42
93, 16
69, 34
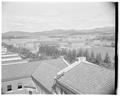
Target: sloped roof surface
16, 71
13, 61
47, 71
90, 79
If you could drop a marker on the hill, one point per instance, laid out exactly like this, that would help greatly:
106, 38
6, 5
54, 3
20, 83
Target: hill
104, 30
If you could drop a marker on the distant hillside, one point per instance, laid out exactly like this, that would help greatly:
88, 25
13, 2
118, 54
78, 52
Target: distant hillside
76, 32
16, 33
104, 30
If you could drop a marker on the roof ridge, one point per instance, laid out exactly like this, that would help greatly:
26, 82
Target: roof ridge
59, 74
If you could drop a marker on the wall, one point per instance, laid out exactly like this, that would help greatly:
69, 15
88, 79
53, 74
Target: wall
60, 89
14, 84
41, 89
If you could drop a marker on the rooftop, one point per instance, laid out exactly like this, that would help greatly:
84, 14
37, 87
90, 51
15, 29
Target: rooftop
9, 55
15, 71
12, 58
89, 79
47, 70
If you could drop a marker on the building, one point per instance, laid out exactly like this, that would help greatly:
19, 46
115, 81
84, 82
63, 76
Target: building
44, 75
22, 77
11, 58
54, 76
17, 75
85, 78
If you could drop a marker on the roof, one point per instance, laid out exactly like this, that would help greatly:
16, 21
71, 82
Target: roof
13, 62
17, 71
47, 70
5, 57
12, 59
9, 55
89, 79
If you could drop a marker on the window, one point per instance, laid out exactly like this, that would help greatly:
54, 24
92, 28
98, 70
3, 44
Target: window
19, 86
65, 92
62, 92
30, 92
9, 87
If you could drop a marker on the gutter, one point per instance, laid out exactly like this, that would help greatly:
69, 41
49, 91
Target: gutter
68, 87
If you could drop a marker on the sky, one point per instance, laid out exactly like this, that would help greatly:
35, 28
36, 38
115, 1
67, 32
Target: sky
41, 16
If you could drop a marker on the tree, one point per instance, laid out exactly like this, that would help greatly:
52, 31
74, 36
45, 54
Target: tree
80, 53
63, 52
24, 53
92, 54
107, 59
47, 50
71, 56
86, 54
112, 44
92, 57
98, 59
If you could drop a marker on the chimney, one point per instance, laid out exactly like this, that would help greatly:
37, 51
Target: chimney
81, 59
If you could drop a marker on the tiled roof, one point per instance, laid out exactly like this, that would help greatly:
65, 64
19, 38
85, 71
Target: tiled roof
89, 79
47, 70
16, 71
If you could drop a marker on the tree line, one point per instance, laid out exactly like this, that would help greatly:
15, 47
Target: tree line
46, 51
71, 55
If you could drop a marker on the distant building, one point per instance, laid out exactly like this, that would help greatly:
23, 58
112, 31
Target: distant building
11, 58
50, 43
4, 50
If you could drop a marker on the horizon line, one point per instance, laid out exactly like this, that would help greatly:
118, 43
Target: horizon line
62, 29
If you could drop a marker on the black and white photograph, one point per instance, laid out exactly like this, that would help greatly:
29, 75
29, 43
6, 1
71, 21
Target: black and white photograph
59, 48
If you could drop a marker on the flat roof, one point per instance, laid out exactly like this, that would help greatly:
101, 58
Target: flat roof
11, 59
9, 55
